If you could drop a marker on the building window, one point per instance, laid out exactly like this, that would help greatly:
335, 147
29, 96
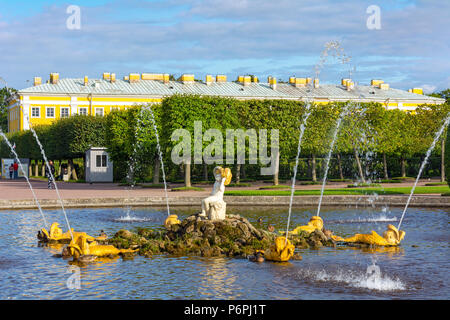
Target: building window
115, 109
99, 112
50, 112
35, 112
100, 161
64, 112
82, 111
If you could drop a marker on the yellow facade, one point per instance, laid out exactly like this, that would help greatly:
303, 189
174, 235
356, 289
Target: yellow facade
44, 106
44, 110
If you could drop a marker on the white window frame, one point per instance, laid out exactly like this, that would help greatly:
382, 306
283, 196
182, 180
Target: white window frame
61, 112
39, 112
46, 112
99, 108
115, 109
83, 108
102, 164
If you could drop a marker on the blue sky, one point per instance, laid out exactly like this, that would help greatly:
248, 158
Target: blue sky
279, 38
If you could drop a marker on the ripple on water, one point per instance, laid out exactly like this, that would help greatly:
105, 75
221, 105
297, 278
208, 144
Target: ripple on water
28, 271
131, 219
380, 218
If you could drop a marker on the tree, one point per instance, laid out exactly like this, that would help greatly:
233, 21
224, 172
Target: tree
284, 116
182, 111
430, 119
356, 134
445, 94
447, 157
5, 94
317, 138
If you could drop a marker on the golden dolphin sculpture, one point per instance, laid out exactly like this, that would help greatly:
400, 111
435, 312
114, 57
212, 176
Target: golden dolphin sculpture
80, 246
55, 234
281, 251
314, 223
391, 237
172, 219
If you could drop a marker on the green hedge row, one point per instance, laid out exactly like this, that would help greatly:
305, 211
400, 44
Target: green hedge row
447, 157
130, 137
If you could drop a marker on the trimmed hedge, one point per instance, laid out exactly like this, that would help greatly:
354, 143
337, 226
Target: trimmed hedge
130, 134
447, 157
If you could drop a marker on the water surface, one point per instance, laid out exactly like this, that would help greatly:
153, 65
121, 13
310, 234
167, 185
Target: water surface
416, 270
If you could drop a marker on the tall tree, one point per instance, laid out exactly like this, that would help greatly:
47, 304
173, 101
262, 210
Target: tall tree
5, 95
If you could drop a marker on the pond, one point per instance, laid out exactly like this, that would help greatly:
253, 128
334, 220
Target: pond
418, 269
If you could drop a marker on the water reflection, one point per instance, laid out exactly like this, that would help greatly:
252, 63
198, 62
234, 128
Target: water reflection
420, 264
217, 282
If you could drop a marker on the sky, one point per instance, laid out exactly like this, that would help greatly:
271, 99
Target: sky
411, 47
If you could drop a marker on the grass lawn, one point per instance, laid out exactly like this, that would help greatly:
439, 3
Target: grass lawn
187, 189
353, 191
274, 187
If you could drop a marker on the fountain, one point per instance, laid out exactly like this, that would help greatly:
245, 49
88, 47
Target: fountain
424, 162
160, 155
338, 52
51, 174
294, 177
25, 175
327, 161
393, 236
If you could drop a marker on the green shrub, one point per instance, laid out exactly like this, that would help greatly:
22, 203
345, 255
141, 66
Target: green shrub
431, 184
363, 185
239, 184
447, 157
280, 186
153, 185
391, 181
310, 183
187, 189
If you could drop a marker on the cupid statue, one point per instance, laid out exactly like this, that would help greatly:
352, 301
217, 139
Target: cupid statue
214, 207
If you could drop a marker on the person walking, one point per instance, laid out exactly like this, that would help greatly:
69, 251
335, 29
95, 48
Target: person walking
16, 170
11, 171
48, 175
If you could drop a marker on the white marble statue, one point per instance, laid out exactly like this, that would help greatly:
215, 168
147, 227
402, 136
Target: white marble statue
214, 207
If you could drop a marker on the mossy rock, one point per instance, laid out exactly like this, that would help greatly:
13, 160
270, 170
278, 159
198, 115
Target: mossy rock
196, 235
123, 233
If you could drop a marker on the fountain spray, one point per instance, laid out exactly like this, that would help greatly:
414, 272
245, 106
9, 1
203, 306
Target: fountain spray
323, 58
302, 130
51, 175
425, 161
25, 175
327, 161
160, 155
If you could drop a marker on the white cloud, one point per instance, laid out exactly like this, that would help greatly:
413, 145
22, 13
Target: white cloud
412, 43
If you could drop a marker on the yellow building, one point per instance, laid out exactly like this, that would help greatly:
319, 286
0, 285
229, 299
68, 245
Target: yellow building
44, 103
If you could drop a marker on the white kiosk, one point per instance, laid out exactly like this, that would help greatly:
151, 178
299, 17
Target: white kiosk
6, 163
98, 166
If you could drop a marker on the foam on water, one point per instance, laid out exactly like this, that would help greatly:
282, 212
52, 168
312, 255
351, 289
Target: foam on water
129, 218
380, 218
358, 279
